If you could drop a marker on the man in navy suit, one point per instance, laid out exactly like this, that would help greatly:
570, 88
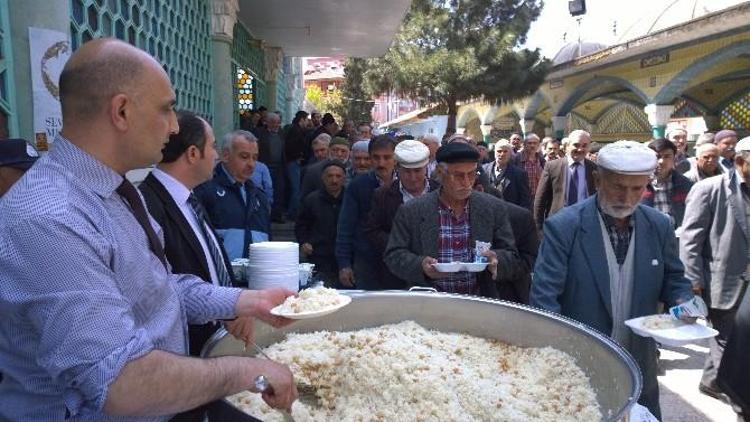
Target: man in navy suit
608, 259
509, 180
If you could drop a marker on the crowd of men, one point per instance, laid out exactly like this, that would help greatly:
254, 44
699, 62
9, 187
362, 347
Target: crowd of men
105, 288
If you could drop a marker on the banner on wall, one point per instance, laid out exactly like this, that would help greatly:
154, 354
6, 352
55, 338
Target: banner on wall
48, 51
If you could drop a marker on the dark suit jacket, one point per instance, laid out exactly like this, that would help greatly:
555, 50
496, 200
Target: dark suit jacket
515, 282
553, 187
416, 229
182, 248
385, 204
514, 185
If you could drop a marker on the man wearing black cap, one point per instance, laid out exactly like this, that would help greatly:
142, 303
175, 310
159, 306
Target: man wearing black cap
421, 237
16, 156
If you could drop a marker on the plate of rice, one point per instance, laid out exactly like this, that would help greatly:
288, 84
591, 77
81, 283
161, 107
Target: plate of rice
312, 303
669, 330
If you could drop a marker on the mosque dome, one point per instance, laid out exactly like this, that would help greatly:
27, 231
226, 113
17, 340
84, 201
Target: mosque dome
571, 51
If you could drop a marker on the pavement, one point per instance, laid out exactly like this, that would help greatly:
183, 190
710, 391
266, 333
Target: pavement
679, 396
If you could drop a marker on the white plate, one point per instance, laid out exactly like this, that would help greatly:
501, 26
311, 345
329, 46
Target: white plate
448, 267
452, 267
678, 336
345, 300
474, 267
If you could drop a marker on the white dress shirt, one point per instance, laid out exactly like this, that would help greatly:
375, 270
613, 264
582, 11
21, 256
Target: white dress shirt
180, 194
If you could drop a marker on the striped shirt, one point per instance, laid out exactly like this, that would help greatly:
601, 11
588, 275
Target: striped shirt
453, 246
533, 169
81, 293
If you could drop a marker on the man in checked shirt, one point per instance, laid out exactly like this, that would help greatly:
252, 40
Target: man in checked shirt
443, 225
93, 323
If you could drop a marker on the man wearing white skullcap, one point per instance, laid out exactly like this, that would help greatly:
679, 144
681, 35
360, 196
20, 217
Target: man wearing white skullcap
714, 246
608, 259
412, 158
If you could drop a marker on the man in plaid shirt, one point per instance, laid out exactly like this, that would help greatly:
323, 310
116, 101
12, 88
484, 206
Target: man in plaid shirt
531, 160
668, 188
421, 238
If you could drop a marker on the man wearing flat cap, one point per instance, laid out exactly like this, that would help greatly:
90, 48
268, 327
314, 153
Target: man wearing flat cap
726, 140
412, 158
16, 156
442, 226
608, 259
714, 246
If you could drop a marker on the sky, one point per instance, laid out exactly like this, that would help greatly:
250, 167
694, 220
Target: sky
612, 22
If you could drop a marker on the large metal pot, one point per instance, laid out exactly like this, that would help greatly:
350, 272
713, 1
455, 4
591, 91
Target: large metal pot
613, 373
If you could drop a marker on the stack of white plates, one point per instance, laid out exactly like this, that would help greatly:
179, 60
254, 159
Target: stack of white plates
273, 264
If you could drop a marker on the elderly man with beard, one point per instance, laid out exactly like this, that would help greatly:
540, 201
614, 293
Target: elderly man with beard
412, 158
608, 259
443, 226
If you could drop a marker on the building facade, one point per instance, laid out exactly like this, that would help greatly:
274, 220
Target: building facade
217, 67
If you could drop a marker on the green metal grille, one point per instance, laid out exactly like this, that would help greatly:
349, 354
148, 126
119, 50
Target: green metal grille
175, 32
737, 114
8, 120
247, 59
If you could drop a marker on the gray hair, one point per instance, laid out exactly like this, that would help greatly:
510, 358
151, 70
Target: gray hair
322, 138
705, 138
700, 149
361, 146
531, 135
227, 142
577, 134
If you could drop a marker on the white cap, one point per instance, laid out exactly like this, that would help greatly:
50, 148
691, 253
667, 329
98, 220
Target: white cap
627, 157
412, 154
743, 145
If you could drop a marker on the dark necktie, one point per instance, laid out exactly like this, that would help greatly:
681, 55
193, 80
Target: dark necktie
128, 191
573, 185
213, 248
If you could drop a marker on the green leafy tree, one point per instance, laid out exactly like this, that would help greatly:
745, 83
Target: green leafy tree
356, 100
458, 50
326, 101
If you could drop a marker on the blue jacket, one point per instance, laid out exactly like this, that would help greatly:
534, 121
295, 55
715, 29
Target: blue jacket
262, 180
351, 239
571, 276
237, 223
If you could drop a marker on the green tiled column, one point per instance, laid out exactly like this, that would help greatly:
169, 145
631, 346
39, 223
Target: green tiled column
54, 15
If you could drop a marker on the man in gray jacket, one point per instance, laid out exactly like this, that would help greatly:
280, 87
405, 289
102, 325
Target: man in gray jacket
442, 226
714, 248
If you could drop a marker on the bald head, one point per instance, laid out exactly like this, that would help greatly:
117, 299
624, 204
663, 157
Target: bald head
96, 72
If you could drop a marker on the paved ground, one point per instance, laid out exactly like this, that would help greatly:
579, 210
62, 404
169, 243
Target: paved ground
680, 399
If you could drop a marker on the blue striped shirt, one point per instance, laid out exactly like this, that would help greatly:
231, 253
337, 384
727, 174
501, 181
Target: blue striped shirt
81, 294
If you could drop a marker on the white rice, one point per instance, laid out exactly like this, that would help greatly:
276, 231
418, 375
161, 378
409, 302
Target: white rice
404, 372
311, 300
